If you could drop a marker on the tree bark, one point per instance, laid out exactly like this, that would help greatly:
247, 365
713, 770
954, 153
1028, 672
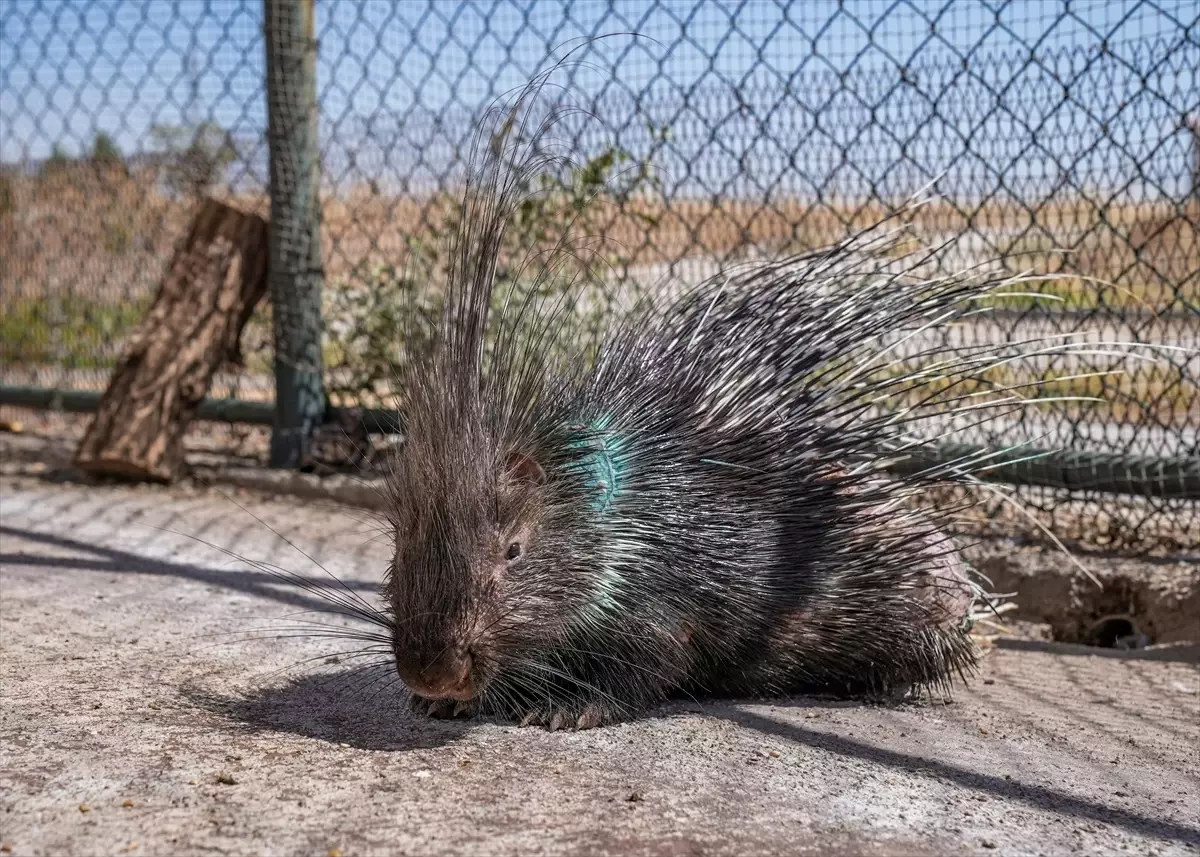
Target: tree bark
214, 281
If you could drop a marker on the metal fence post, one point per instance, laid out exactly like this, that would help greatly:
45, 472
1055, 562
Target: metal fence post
296, 274
1193, 124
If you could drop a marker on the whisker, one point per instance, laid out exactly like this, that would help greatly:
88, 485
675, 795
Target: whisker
332, 597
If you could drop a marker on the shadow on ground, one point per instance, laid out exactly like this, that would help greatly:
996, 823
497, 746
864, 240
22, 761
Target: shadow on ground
258, 581
365, 707
362, 707
1003, 787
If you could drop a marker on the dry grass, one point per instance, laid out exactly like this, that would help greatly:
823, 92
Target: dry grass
82, 231
97, 237
101, 238
107, 235
1084, 520
1159, 394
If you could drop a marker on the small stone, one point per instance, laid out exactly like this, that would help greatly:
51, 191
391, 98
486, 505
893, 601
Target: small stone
989, 681
634, 797
193, 783
127, 803
226, 780
6, 847
83, 807
987, 843
335, 852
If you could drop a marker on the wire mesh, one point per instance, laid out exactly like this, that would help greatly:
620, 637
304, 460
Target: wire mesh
1063, 136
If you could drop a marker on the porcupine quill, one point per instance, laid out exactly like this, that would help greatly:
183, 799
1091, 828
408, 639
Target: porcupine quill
704, 507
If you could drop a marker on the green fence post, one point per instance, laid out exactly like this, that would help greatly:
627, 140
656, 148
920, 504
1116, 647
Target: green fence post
296, 274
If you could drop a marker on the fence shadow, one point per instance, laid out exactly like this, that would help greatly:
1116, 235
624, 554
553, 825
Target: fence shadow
116, 561
1037, 797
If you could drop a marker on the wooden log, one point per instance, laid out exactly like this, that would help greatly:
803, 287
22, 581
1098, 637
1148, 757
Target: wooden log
215, 279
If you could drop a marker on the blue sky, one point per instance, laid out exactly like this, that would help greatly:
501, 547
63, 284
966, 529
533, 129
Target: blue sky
801, 97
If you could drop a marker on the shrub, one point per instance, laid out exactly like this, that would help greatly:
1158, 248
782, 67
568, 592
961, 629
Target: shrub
385, 314
105, 151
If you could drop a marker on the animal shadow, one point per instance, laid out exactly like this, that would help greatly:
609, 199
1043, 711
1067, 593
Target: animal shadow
359, 707
367, 708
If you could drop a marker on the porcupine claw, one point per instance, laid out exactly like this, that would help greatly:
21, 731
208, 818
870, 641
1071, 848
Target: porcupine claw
590, 718
418, 704
441, 709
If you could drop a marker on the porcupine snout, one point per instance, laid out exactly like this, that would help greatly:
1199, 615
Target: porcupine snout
447, 675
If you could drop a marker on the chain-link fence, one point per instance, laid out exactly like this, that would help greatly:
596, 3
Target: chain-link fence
1063, 136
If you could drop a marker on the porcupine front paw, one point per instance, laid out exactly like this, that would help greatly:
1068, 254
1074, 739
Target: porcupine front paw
442, 709
571, 717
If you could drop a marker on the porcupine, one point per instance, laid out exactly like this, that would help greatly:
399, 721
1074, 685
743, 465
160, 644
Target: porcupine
701, 509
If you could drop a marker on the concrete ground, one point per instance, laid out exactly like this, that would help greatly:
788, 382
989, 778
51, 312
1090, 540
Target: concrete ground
139, 716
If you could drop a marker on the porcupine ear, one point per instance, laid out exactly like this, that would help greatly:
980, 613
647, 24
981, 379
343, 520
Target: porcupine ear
523, 468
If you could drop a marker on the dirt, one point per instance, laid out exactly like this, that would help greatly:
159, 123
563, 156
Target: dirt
1156, 598
133, 683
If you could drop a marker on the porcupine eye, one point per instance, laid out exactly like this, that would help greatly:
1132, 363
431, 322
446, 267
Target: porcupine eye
514, 552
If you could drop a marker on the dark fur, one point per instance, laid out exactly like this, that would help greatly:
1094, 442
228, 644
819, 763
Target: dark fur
752, 545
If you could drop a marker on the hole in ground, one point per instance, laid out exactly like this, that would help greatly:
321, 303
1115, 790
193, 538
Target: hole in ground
1116, 632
